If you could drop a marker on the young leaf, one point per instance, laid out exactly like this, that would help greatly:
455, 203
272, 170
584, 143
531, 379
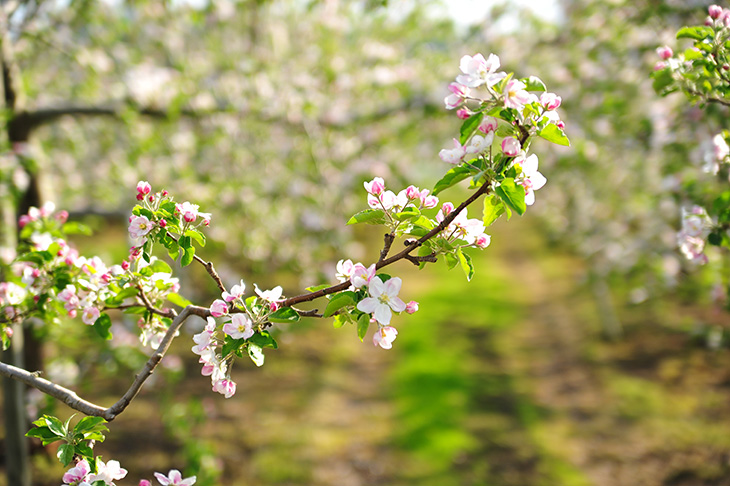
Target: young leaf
196, 235
284, 315
102, 325
340, 320
187, 257
256, 354
315, 288
470, 126
339, 301
65, 454
512, 195
87, 424
55, 425
264, 339
43, 433
466, 264
533, 83
408, 213
698, 32
370, 216
493, 209
363, 323
178, 299
553, 134
453, 176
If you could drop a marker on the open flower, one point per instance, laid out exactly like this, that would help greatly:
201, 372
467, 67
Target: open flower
478, 71
384, 336
454, 155
530, 179
239, 327
218, 308
139, 227
174, 478
236, 292
383, 298
273, 295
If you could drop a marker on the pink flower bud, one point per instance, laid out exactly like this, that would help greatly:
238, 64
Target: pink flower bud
447, 208
144, 482
62, 216
125, 265
189, 217
163, 223
714, 11
560, 124
665, 52
140, 196
151, 198
8, 331
274, 306
430, 202
375, 187
660, 65
72, 313
489, 124
165, 193
24, 219
709, 22
511, 146
206, 222
550, 101
463, 113
412, 192
218, 308
483, 241
412, 307
144, 187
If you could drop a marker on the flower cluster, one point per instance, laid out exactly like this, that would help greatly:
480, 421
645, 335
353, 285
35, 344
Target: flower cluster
81, 475
236, 325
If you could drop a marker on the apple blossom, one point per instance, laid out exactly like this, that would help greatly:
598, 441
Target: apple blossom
489, 124
482, 241
345, 268
479, 144
462, 227
144, 187
550, 101
463, 113
478, 71
174, 478
90, 315
515, 95
384, 336
225, 387
530, 178
714, 11
237, 292
458, 93
203, 340
454, 155
511, 146
664, 52
362, 276
139, 227
375, 187
273, 295
107, 472
383, 298
240, 327
412, 307
77, 473
218, 308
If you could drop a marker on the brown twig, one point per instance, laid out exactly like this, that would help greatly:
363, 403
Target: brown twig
388, 242
208, 267
70, 397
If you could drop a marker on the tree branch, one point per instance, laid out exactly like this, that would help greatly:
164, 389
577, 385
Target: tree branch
70, 397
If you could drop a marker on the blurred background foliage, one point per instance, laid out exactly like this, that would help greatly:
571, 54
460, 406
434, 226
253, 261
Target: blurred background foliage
270, 114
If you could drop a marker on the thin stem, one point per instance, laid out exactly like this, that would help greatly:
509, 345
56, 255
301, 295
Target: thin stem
208, 267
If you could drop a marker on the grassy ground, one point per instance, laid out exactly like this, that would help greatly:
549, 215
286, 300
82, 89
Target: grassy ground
502, 381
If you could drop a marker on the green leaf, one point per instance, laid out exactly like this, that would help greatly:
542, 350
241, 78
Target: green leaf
553, 134
662, 79
451, 260
231, 345
185, 242
369, 216
285, 314
340, 320
534, 83
264, 339
74, 228
178, 299
453, 176
470, 126
43, 433
408, 213
343, 299
512, 195
65, 454
698, 32
56, 426
102, 325
466, 264
363, 322
315, 288
692, 54
493, 209
125, 293
87, 424
187, 257
196, 235
256, 354
86, 451
159, 266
